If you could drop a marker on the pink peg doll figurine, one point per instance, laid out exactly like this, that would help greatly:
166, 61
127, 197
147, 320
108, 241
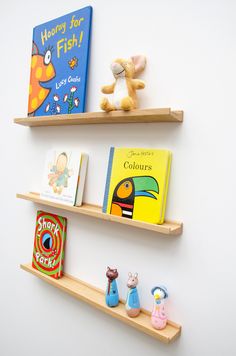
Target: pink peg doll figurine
159, 318
132, 305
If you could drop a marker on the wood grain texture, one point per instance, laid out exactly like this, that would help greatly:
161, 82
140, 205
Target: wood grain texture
95, 297
168, 228
113, 117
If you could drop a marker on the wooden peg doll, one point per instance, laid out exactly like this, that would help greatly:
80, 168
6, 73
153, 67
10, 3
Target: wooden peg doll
159, 318
132, 305
112, 295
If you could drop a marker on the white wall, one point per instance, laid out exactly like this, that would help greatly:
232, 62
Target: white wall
191, 60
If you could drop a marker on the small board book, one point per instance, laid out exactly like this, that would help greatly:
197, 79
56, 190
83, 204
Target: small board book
137, 183
49, 244
64, 176
59, 64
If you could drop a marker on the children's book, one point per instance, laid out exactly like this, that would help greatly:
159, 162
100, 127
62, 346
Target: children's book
49, 244
137, 183
64, 176
59, 65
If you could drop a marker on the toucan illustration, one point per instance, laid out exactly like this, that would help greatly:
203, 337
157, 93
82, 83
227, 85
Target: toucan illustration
127, 190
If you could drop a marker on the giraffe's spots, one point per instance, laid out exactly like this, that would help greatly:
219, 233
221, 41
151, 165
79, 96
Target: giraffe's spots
34, 103
42, 94
34, 61
49, 70
30, 89
38, 73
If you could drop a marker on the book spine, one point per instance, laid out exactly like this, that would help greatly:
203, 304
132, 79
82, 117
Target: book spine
62, 257
35, 236
81, 181
166, 189
87, 59
107, 186
30, 70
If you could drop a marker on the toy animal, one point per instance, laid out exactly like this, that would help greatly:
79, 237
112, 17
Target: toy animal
124, 88
112, 295
158, 317
132, 305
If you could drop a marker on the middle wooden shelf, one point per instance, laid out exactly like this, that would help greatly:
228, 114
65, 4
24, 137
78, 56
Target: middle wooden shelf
167, 228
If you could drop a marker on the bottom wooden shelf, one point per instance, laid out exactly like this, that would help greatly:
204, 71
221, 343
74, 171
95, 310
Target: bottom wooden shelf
95, 297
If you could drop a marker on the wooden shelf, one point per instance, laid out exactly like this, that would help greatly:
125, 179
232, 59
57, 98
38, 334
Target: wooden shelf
168, 228
95, 297
114, 117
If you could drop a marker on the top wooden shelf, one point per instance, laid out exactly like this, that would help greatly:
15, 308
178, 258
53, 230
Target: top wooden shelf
113, 117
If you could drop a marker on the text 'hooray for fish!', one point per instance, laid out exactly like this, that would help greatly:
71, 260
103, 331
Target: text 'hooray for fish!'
65, 44
62, 27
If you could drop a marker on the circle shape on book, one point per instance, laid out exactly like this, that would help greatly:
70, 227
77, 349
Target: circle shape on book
47, 241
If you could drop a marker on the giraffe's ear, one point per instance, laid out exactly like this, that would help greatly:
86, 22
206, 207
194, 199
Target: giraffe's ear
130, 274
108, 268
139, 63
135, 275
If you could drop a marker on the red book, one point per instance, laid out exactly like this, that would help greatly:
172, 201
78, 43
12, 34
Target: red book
49, 244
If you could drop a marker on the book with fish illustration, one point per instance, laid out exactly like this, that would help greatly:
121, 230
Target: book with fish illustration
64, 176
137, 183
49, 244
59, 65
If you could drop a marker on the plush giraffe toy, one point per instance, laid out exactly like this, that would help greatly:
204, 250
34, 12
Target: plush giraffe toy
159, 318
124, 88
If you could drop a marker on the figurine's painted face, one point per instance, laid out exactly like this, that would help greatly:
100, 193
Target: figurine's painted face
111, 273
132, 280
61, 162
158, 294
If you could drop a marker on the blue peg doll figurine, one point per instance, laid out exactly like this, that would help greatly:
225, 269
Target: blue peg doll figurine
112, 295
132, 305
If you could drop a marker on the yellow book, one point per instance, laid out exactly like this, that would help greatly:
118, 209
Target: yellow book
137, 183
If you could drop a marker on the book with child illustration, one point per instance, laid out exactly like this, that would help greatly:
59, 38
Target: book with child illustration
64, 176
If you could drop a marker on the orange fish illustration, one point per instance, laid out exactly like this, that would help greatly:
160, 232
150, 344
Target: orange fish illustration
73, 62
42, 71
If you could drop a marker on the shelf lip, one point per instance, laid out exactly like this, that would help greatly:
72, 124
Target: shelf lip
95, 297
170, 228
113, 117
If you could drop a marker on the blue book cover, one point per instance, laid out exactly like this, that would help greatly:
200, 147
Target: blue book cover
59, 65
